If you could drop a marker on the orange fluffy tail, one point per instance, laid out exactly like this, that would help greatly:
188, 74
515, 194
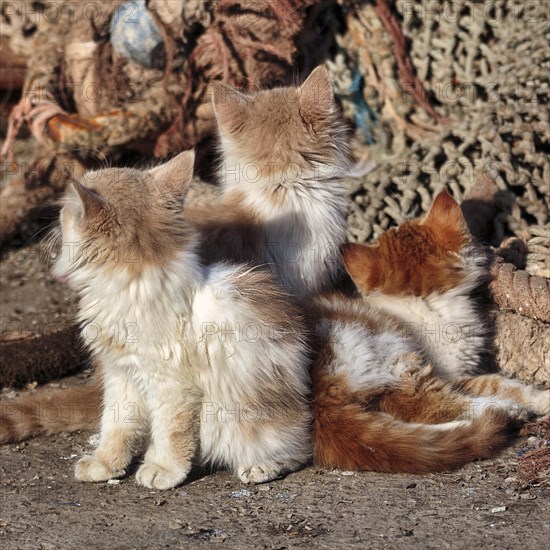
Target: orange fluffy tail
51, 410
349, 437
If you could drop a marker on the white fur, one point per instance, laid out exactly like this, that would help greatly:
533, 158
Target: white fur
447, 324
366, 359
304, 233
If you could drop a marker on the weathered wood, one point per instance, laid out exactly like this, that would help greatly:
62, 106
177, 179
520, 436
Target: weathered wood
519, 291
26, 358
523, 347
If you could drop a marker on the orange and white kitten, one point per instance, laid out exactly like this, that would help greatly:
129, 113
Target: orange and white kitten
426, 273
387, 395
283, 202
211, 360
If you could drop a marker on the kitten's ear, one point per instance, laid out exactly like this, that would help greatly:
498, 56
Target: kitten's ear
361, 262
92, 203
230, 106
446, 220
316, 93
175, 175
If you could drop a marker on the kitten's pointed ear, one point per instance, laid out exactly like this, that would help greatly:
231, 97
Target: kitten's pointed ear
446, 220
316, 93
93, 204
175, 175
230, 106
361, 262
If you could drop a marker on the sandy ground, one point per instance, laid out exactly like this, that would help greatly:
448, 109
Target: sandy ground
484, 505
481, 506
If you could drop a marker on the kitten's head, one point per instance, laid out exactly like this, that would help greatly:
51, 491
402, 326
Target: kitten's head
121, 218
418, 258
283, 132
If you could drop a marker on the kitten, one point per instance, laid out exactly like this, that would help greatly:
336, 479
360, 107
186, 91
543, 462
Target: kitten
283, 203
211, 361
283, 206
379, 403
425, 273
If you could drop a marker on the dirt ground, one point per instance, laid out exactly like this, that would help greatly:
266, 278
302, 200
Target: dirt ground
480, 506
484, 505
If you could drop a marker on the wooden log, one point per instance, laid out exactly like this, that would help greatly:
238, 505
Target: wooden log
519, 291
27, 358
523, 347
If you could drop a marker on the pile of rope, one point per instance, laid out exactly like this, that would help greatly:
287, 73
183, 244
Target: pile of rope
485, 74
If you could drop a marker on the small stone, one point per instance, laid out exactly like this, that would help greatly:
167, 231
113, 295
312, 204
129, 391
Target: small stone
175, 524
114, 482
241, 493
498, 509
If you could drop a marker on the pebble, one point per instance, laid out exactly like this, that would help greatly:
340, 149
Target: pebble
498, 509
241, 493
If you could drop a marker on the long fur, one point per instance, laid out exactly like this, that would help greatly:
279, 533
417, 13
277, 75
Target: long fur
289, 219
284, 202
193, 355
392, 385
391, 395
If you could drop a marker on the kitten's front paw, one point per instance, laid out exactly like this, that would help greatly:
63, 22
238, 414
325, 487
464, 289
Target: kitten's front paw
153, 476
520, 413
260, 473
410, 364
90, 468
542, 402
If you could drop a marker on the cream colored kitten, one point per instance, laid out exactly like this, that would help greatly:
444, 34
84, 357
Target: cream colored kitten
283, 202
211, 361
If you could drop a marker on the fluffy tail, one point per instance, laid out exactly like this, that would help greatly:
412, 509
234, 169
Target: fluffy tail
51, 410
349, 437
497, 385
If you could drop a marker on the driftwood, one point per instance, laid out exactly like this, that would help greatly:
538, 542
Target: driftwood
519, 291
28, 358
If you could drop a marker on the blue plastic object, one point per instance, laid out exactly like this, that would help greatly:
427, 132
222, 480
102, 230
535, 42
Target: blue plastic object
135, 35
